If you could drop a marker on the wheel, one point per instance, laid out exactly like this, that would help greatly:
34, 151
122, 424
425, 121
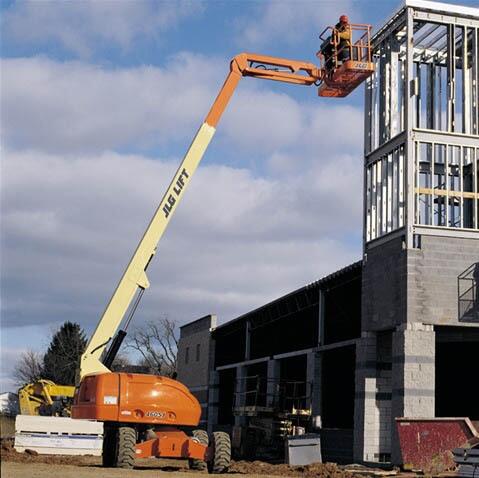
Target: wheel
202, 437
221, 444
126, 444
108, 455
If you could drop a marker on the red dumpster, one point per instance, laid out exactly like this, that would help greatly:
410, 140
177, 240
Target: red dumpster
427, 442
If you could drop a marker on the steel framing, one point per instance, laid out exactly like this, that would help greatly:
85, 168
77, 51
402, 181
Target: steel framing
422, 124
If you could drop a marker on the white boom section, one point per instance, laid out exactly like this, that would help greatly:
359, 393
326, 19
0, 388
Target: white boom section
134, 275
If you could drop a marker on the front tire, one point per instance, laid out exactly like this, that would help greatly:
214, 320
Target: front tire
126, 447
221, 444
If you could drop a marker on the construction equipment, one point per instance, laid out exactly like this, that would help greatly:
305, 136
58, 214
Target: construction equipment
46, 398
143, 413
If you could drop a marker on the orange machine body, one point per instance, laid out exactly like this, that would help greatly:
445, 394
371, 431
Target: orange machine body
137, 399
173, 443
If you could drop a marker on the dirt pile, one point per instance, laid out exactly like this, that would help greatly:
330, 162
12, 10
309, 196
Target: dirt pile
8, 453
315, 470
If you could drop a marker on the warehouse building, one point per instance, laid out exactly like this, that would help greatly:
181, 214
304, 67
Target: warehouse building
396, 334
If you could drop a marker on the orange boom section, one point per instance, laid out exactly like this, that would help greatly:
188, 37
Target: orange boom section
136, 398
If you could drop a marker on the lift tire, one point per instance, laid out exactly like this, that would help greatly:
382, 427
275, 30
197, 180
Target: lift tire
109, 448
126, 443
221, 444
202, 437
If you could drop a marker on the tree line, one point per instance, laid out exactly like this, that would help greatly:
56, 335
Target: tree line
154, 346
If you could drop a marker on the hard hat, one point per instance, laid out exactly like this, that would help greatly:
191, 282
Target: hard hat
343, 19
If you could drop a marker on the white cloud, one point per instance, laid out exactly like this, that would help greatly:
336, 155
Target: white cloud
80, 26
290, 21
70, 225
75, 106
73, 210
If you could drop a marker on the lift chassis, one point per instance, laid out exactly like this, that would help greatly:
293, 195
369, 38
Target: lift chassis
149, 415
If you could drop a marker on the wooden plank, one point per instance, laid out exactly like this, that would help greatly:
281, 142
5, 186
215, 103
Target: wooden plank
444, 192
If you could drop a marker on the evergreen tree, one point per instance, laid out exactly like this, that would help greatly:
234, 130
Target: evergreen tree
62, 358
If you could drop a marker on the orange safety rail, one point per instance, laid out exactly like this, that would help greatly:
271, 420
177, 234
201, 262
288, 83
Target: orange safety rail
346, 67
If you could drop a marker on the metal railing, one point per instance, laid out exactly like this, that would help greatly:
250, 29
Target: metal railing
468, 294
358, 49
257, 393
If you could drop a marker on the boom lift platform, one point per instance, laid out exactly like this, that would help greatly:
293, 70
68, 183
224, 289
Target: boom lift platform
146, 415
348, 65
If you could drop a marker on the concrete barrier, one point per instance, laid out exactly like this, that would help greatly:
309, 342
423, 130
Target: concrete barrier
58, 435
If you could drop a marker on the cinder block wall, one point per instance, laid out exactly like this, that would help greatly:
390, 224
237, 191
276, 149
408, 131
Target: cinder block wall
195, 356
384, 286
405, 293
432, 272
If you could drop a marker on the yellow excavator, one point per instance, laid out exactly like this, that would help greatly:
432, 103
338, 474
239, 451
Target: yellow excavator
46, 398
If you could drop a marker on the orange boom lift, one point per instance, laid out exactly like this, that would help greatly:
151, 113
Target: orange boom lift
150, 415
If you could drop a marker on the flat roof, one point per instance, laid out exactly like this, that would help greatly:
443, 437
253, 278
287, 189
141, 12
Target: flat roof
355, 266
455, 9
427, 5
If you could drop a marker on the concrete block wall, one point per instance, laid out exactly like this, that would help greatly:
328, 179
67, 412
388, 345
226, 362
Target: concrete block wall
384, 393
384, 286
405, 293
432, 272
366, 413
196, 358
414, 349
213, 400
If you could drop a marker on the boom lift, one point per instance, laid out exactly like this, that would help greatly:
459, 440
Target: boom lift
144, 415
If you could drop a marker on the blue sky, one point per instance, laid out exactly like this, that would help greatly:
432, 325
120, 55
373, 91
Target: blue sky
99, 101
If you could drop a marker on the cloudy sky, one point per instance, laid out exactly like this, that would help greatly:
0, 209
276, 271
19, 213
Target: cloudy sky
99, 101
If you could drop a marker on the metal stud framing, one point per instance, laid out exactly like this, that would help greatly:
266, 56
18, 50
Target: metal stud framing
422, 124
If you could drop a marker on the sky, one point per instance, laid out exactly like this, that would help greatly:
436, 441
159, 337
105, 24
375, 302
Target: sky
100, 100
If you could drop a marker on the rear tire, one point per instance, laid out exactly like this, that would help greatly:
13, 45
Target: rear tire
221, 444
202, 437
126, 442
109, 449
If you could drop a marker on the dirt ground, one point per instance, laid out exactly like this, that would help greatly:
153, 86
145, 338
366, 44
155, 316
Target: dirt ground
16, 464
30, 464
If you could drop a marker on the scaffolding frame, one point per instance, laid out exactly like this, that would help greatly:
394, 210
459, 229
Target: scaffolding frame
422, 125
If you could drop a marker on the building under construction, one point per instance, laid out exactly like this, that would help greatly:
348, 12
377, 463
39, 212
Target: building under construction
397, 333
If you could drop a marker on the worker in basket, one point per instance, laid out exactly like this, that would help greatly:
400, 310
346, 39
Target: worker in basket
338, 44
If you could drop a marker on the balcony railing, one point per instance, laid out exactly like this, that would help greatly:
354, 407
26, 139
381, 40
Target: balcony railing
468, 294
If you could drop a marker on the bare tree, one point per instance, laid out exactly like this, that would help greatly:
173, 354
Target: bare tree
157, 342
120, 363
28, 368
